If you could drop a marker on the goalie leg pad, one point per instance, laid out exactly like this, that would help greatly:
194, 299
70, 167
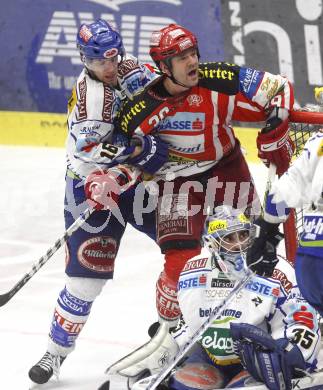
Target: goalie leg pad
152, 356
192, 376
243, 379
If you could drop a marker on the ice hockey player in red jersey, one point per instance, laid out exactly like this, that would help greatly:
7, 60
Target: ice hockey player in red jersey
191, 107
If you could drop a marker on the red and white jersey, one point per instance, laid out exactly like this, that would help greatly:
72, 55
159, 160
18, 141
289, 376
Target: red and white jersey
197, 124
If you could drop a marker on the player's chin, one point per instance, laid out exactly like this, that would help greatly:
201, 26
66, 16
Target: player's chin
110, 81
192, 81
192, 78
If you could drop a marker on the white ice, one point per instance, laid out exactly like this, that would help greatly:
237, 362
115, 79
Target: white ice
31, 215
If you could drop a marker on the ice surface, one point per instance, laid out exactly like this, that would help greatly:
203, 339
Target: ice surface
31, 214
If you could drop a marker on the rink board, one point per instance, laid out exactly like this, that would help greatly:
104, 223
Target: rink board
47, 129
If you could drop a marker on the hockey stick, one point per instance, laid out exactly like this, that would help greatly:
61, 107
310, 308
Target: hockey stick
309, 117
271, 176
4, 298
152, 382
288, 225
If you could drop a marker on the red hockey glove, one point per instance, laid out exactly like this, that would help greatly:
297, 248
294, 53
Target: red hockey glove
274, 144
103, 187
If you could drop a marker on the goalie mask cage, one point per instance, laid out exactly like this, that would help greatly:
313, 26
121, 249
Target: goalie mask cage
302, 125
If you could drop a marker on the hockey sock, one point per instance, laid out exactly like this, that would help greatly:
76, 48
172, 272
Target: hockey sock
70, 315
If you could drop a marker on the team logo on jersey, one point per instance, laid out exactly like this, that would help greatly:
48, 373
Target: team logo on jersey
194, 100
257, 301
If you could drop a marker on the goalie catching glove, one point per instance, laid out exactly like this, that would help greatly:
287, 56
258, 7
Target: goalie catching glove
262, 254
273, 362
275, 145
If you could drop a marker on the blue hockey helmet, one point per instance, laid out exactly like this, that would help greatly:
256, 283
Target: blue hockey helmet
99, 40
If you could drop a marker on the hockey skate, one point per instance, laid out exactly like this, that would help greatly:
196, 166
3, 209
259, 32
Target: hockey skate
47, 366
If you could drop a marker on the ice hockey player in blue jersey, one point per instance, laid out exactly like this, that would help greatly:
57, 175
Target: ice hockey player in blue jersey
92, 148
300, 186
268, 333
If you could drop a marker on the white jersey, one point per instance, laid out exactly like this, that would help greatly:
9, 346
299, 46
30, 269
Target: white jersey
302, 186
274, 304
92, 110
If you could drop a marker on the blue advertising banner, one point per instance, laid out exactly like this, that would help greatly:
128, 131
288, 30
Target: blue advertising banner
282, 37
40, 62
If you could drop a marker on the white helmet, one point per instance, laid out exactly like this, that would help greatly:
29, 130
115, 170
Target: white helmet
228, 233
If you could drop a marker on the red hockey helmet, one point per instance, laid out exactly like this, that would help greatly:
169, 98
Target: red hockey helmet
171, 41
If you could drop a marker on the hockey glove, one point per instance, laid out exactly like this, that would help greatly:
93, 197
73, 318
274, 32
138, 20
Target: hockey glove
154, 153
112, 154
133, 77
275, 145
261, 256
273, 362
103, 187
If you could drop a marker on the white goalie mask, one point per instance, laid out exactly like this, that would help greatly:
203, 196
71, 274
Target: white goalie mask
228, 233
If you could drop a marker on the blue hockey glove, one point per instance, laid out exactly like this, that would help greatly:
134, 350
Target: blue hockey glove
154, 153
114, 154
262, 256
273, 362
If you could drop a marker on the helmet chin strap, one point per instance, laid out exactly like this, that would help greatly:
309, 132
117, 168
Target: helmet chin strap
176, 81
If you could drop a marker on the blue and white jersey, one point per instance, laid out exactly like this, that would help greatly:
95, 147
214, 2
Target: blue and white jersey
92, 109
302, 186
274, 304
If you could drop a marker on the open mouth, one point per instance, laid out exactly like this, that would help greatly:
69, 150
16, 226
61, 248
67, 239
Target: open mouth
192, 73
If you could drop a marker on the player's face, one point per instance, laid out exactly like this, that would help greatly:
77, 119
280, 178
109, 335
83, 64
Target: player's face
105, 69
236, 242
185, 67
